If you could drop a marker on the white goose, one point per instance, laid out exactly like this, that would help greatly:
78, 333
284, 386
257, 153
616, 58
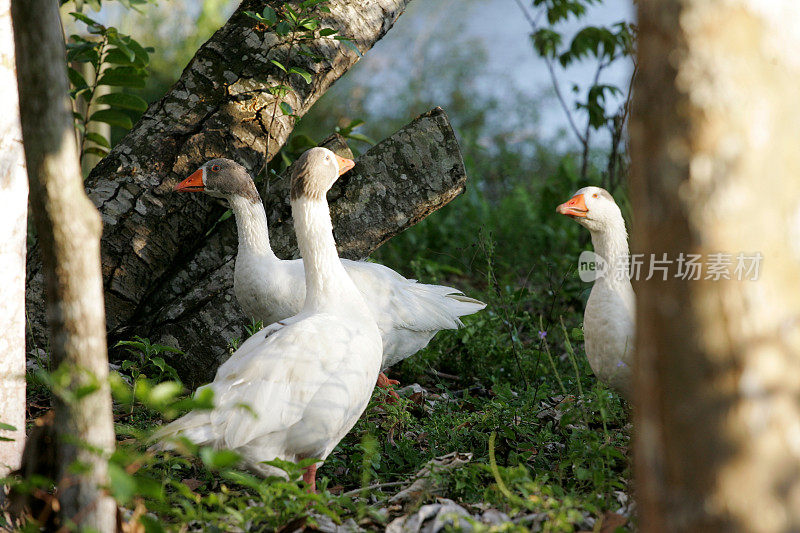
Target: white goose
609, 319
270, 289
306, 384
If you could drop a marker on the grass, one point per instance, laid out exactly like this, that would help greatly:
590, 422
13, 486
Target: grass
549, 445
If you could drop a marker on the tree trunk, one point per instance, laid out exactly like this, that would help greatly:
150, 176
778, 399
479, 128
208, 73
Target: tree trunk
13, 233
715, 168
68, 229
221, 106
394, 185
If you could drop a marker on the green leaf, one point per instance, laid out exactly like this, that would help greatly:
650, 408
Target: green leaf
123, 100
546, 42
361, 137
112, 117
81, 52
278, 64
142, 56
302, 73
123, 486
159, 362
325, 32
255, 16
99, 152
151, 525
286, 108
115, 56
165, 392
291, 14
311, 3
217, 459
269, 16
85, 390
76, 78
7, 427
349, 43
283, 28
310, 24
123, 77
83, 18
279, 90
122, 46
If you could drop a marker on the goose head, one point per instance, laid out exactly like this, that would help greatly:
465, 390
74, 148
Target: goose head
593, 208
316, 171
222, 178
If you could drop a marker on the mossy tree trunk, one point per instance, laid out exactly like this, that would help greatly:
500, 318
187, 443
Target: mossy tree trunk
13, 232
68, 228
715, 166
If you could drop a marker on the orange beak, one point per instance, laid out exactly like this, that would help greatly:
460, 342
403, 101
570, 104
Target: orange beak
193, 183
575, 207
344, 164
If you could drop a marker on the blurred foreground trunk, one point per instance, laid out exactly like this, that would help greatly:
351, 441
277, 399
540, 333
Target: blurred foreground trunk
13, 232
716, 170
68, 229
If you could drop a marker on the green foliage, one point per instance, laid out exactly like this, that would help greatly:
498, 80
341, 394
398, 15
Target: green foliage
599, 44
147, 370
148, 359
113, 60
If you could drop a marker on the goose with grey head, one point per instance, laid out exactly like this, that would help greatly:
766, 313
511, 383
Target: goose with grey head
294, 394
609, 318
271, 290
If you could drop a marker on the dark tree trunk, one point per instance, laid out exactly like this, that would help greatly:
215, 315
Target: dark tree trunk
715, 168
68, 227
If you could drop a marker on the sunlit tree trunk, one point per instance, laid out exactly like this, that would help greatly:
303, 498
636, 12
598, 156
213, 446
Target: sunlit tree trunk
716, 169
68, 228
13, 226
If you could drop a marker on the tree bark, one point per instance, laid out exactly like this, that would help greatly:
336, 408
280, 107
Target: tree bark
68, 229
13, 234
715, 168
393, 186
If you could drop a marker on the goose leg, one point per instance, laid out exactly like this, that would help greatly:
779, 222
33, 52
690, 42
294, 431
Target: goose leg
310, 477
385, 383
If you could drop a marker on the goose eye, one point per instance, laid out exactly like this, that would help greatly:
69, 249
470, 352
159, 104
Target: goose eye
215, 168
594, 195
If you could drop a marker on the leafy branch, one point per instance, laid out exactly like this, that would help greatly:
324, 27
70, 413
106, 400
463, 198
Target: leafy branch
302, 25
115, 60
605, 45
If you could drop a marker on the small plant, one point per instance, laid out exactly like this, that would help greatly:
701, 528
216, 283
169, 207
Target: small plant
114, 60
148, 361
148, 364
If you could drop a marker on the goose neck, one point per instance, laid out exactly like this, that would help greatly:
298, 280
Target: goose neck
251, 226
612, 245
326, 280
